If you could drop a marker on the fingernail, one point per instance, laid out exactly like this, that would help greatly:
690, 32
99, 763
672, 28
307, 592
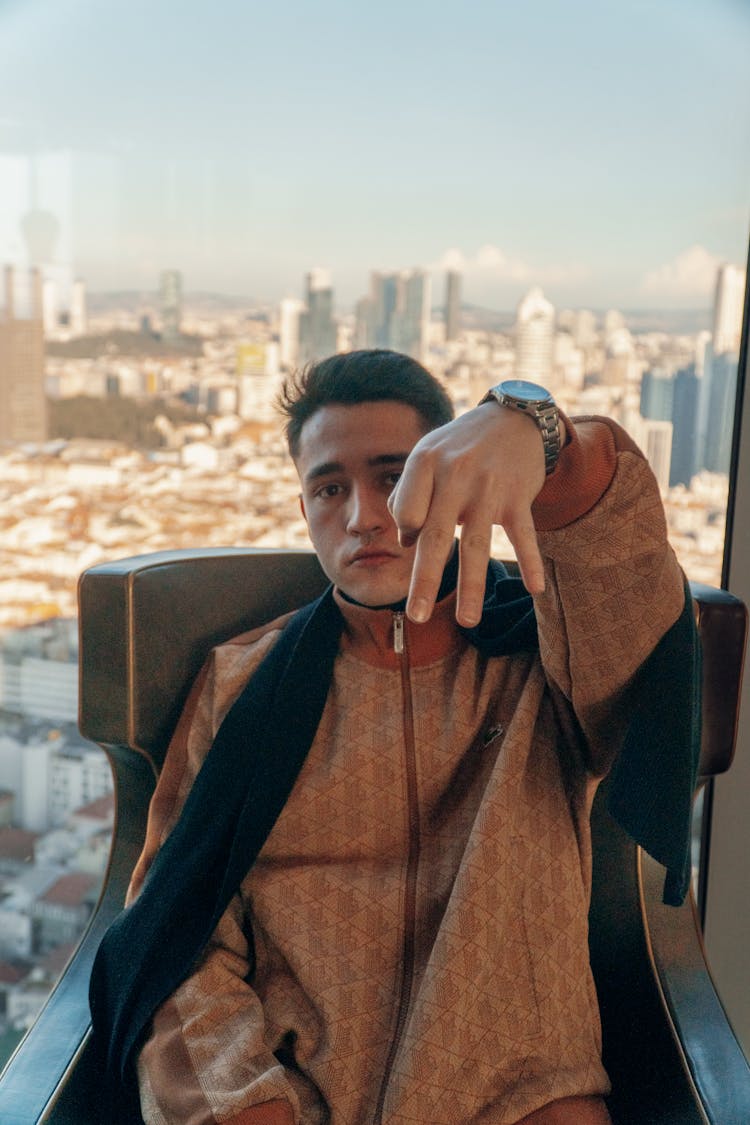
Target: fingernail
419, 610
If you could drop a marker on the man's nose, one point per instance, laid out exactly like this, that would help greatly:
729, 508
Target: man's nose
368, 512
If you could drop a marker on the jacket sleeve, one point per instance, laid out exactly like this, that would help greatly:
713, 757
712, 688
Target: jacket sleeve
613, 585
206, 1057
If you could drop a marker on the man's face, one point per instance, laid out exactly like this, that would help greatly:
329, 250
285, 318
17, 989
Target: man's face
349, 460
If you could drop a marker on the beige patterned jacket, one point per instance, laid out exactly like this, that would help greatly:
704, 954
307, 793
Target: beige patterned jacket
418, 915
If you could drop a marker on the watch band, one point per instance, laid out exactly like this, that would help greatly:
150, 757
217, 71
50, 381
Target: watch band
538, 404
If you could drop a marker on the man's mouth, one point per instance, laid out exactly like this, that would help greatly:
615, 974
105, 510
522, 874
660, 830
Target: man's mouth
370, 556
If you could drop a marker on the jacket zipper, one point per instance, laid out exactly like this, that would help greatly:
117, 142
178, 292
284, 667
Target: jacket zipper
412, 862
398, 633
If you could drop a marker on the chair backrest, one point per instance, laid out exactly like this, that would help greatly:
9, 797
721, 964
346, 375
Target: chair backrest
147, 623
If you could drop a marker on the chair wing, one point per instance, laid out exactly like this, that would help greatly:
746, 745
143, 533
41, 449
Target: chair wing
146, 625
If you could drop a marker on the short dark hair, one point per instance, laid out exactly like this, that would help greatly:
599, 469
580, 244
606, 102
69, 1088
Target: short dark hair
370, 375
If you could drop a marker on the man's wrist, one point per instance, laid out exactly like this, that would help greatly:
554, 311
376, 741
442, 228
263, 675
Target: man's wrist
538, 405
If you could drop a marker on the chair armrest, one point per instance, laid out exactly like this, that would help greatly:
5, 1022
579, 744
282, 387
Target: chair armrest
722, 622
712, 1056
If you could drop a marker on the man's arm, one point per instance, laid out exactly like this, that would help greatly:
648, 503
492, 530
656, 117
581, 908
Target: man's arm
206, 1057
591, 539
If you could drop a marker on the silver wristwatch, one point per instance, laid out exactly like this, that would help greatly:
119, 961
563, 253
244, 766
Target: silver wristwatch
539, 404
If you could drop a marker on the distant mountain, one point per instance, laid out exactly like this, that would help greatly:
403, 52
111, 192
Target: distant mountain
675, 322
136, 301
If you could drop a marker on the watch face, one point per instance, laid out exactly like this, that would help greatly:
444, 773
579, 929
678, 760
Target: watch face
526, 392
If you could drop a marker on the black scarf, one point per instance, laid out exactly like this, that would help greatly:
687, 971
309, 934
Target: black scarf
256, 757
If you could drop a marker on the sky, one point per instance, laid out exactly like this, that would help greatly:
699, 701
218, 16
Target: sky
598, 149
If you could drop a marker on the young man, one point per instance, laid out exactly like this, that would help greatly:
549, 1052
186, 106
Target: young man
410, 945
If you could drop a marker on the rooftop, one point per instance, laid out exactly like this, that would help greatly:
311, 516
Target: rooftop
70, 890
17, 844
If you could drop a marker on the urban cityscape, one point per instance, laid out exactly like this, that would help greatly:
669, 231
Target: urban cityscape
134, 422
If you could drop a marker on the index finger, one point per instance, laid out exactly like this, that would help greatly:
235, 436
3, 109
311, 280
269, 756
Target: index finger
410, 501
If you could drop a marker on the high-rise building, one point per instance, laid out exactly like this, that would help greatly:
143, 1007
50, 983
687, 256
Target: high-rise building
364, 323
258, 381
658, 449
317, 328
720, 416
290, 310
396, 314
384, 295
535, 336
584, 328
614, 321
728, 303
23, 406
684, 422
170, 296
657, 394
452, 305
716, 404
411, 317
654, 436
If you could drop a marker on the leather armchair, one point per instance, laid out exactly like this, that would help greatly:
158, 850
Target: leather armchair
146, 625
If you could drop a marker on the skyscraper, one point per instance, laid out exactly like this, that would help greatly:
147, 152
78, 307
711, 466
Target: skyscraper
656, 441
170, 294
317, 328
452, 305
657, 395
716, 405
535, 335
721, 407
396, 314
23, 406
411, 316
728, 302
290, 310
684, 421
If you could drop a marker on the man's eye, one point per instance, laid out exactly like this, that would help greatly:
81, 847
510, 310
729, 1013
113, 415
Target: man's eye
392, 479
328, 491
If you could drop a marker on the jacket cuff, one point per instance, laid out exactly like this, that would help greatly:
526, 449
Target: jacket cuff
276, 1112
583, 473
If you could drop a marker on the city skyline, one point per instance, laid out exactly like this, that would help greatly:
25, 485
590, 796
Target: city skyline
600, 151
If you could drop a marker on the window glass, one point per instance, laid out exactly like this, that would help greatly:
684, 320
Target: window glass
195, 199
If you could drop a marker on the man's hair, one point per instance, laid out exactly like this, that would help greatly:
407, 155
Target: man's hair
371, 375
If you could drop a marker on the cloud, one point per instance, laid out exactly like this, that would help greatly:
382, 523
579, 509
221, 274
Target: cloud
691, 274
490, 263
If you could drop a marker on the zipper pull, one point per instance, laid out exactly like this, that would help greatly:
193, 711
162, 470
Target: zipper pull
398, 633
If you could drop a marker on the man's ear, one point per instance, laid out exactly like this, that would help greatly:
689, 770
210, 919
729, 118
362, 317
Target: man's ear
302, 507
